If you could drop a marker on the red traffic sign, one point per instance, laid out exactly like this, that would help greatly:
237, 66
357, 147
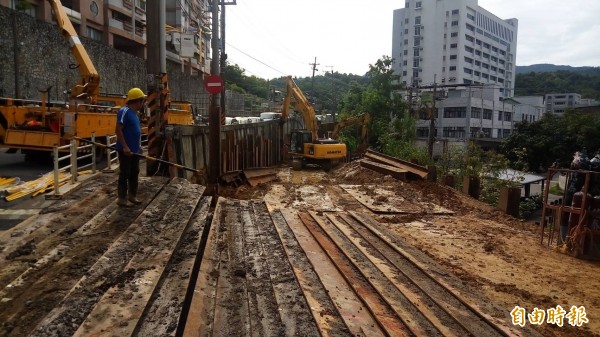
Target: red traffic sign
213, 84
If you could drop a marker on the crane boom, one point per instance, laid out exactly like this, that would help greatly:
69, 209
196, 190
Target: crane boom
89, 87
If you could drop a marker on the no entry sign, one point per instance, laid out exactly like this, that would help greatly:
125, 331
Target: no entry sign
213, 84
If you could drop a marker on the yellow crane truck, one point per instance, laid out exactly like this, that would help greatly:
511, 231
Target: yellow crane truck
305, 146
28, 125
31, 126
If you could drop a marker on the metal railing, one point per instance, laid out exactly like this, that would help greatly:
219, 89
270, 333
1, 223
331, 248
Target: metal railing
75, 154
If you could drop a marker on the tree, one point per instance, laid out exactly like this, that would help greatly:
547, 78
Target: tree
552, 138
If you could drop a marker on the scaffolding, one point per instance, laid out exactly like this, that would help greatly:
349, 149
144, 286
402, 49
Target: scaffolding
576, 214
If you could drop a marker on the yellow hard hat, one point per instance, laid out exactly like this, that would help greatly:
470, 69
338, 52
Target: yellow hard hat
135, 93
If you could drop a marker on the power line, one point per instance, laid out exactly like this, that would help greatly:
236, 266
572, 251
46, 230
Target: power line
255, 59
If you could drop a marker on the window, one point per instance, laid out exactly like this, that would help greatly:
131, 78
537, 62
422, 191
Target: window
477, 63
406, 41
477, 73
407, 4
486, 55
417, 41
453, 46
494, 58
454, 34
454, 23
418, 4
493, 68
485, 66
406, 31
422, 132
483, 75
416, 63
455, 112
94, 34
416, 52
501, 71
494, 49
405, 63
417, 20
405, 52
502, 52
452, 68
468, 60
501, 61
478, 42
469, 49
487, 114
507, 116
417, 30
406, 20
469, 38
404, 73
478, 52
454, 12
475, 112
471, 17
453, 57
468, 71
470, 27
486, 45
454, 132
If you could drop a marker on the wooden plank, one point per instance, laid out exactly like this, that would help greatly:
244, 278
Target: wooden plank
393, 171
120, 308
414, 169
199, 320
359, 322
420, 301
386, 318
162, 317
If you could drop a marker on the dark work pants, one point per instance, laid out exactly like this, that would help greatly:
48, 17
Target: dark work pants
129, 169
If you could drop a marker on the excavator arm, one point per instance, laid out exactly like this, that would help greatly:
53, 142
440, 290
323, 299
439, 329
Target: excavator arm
89, 86
302, 105
363, 119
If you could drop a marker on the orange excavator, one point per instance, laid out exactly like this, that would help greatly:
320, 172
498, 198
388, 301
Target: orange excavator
305, 146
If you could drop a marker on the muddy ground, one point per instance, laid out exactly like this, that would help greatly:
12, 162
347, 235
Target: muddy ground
69, 270
497, 256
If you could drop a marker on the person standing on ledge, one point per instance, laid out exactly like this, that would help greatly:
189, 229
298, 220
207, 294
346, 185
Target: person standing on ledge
129, 143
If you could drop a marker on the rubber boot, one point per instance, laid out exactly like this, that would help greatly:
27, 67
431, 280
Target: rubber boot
124, 202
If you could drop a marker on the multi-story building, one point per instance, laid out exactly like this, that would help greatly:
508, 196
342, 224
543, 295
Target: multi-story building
457, 44
454, 42
527, 108
560, 103
121, 24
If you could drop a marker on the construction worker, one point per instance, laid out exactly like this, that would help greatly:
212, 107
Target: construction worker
129, 143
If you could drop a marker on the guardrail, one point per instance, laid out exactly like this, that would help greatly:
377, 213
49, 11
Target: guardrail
75, 154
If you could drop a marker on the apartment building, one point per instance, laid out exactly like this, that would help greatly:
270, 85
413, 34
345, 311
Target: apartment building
121, 24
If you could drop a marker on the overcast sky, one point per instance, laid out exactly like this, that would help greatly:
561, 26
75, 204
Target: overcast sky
273, 38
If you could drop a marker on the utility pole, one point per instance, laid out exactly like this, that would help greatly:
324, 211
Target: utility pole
432, 120
214, 117
314, 68
333, 95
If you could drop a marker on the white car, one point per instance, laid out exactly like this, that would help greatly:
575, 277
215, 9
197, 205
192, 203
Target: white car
269, 116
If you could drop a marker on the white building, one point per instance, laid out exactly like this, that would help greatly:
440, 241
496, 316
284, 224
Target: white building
527, 108
454, 42
560, 103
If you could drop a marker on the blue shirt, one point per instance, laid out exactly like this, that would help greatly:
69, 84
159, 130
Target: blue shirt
132, 129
